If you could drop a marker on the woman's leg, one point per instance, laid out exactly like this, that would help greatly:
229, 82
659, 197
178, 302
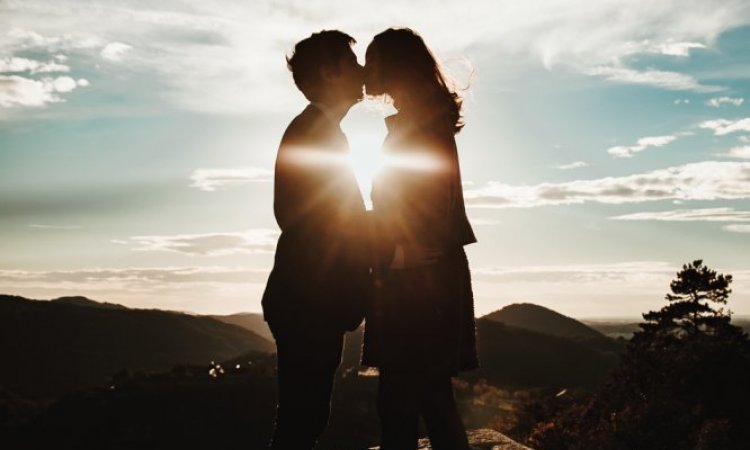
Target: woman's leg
438, 407
398, 410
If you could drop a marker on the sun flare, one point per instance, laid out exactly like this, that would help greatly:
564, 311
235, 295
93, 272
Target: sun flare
366, 159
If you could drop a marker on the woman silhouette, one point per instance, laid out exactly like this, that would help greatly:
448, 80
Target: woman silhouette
420, 329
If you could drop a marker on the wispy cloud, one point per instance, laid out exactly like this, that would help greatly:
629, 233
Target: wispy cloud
610, 289
737, 228
673, 81
721, 127
22, 38
212, 179
208, 244
54, 227
718, 101
673, 48
667, 47
708, 180
134, 277
479, 221
691, 215
641, 145
632, 272
573, 165
206, 290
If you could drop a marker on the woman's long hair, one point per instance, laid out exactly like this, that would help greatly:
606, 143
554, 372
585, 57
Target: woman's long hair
408, 65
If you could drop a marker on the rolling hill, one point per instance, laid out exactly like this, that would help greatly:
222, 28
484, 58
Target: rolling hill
85, 341
250, 321
52, 347
523, 358
537, 318
518, 357
542, 320
74, 342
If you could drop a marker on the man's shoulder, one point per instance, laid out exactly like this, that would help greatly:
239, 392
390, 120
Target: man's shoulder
306, 125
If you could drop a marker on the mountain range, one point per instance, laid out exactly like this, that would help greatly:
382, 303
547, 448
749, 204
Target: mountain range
210, 380
74, 342
52, 347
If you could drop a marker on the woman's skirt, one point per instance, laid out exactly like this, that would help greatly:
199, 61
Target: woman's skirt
423, 319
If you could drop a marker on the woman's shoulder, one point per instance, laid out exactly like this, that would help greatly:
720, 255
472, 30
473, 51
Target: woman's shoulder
420, 126
391, 123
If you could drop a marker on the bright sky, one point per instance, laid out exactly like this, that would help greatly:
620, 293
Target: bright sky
607, 143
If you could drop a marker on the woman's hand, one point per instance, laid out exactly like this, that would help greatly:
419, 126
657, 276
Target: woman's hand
414, 255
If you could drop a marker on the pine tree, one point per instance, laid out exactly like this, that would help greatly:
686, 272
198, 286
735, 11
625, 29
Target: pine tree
694, 304
681, 383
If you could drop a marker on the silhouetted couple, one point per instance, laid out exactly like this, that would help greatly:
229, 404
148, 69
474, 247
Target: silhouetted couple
402, 267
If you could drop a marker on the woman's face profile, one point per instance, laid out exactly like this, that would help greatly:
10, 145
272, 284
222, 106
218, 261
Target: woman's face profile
373, 72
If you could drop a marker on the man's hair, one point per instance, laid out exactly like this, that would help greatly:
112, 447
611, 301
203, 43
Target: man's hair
322, 49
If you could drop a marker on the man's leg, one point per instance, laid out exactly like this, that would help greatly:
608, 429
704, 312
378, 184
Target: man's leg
307, 363
398, 411
438, 407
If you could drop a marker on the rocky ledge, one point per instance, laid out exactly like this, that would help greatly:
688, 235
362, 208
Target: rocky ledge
482, 439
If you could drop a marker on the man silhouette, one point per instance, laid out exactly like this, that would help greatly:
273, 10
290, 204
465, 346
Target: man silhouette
316, 290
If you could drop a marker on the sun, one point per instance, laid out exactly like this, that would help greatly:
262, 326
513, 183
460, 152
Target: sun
365, 160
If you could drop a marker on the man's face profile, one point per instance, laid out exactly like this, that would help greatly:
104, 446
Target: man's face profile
347, 78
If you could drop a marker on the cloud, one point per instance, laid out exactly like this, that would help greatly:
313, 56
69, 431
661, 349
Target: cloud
641, 145
205, 290
673, 81
64, 84
573, 165
737, 228
211, 179
616, 289
114, 51
718, 101
691, 215
208, 244
54, 227
24, 91
20, 91
667, 47
672, 48
683, 101
579, 290
708, 180
721, 127
15, 64
134, 277
742, 152
626, 272
478, 221
22, 38
205, 52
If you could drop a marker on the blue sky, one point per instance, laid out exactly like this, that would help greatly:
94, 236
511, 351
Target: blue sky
606, 144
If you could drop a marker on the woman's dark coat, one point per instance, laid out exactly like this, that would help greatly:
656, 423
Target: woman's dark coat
421, 318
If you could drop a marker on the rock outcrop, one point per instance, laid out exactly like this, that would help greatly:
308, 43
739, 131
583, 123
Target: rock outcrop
482, 439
